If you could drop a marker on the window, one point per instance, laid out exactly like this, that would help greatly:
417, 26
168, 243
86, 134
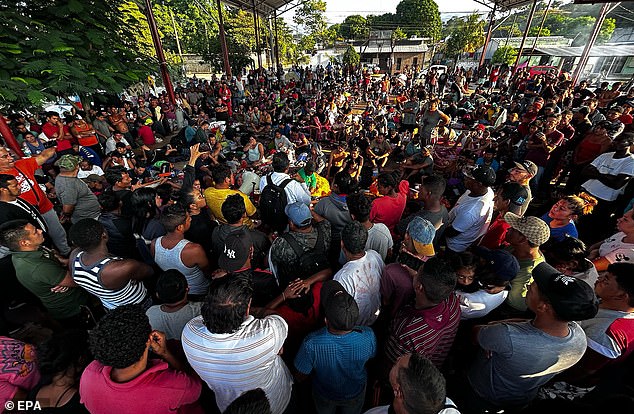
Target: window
398, 63
415, 61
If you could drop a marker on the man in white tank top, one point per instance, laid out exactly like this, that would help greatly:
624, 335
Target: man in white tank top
173, 251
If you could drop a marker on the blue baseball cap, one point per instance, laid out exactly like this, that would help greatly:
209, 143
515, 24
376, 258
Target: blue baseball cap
422, 233
298, 213
501, 262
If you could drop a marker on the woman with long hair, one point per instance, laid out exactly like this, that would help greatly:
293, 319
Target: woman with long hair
564, 213
61, 360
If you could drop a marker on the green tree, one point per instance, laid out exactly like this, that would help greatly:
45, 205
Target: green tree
504, 55
534, 30
467, 37
351, 57
354, 27
51, 49
419, 18
312, 20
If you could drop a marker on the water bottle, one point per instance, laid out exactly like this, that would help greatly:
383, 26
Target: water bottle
27, 151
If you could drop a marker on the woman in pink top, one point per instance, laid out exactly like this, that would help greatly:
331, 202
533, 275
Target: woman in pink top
389, 208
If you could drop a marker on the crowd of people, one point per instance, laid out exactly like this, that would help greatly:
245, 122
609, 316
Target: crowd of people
323, 240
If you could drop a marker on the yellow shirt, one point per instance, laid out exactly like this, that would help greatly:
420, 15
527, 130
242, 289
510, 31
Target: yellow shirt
216, 196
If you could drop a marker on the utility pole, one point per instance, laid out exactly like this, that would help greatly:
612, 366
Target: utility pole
160, 55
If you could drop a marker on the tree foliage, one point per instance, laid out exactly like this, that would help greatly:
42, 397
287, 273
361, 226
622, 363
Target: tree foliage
354, 27
466, 35
351, 57
51, 49
504, 55
312, 21
419, 18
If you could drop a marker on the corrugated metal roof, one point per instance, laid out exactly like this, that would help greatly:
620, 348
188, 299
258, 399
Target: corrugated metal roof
597, 51
264, 7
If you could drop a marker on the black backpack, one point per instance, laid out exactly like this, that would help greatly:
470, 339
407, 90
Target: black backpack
273, 200
308, 262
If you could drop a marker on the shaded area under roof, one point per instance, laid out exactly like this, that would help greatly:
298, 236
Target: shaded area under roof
576, 51
264, 7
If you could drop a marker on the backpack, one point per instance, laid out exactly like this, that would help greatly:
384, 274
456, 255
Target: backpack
308, 262
273, 200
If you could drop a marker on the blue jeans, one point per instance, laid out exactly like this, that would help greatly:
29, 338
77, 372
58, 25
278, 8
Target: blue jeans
324, 405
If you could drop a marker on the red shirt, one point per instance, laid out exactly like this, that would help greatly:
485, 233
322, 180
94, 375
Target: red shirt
429, 331
52, 132
30, 191
158, 390
494, 237
388, 210
146, 134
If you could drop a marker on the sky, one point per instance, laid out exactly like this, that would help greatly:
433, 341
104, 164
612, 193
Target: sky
338, 9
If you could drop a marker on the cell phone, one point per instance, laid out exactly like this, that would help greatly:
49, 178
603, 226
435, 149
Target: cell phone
409, 260
49, 144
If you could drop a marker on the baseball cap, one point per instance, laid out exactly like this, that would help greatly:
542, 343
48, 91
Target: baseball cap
236, 251
93, 178
572, 299
481, 127
149, 121
528, 166
68, 162
514, 192
298, 213
533, 228
422, 233
340, 308
482, 174
501, 262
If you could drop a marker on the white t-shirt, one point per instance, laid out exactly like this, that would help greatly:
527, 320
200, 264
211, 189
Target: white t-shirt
81, 174
470, 217
379, 239
617, 251
479, 303
606, 164
295, 191
111, 144
361, 278
241, 361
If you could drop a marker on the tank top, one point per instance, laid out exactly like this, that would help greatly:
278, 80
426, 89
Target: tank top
86, 141
254, 154
88, 276
171, 259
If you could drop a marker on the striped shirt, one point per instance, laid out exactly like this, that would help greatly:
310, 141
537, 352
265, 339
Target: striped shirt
249, 358
429, 332
88, 276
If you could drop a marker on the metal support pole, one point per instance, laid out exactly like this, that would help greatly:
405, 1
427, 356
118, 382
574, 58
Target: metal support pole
277, 43
529, 21
160, 55
256, 26
272, 42
223, 41
593, 37
508, 37
541, 26
488, 38
8, 136
178, 44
